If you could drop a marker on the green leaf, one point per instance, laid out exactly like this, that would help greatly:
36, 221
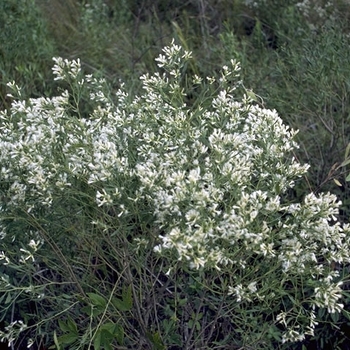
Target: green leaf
176, 339
110, 327
67, 339
63, 326
335, 317
274, 333
72, 326
251, 95
108, 347
88, 310
346, 314
116, 330
92, 311
97, 300
119, 334
345, 162
120, 304
127, 296
56, 341
106, 336
9, 298
96, 311
97, 340
347, 178
182, 302
156, 340
103, 339
347, 151
168, 325
321, 312
68, 326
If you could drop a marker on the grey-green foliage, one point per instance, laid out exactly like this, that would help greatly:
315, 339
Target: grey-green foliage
26, 48
314, 77
306, 78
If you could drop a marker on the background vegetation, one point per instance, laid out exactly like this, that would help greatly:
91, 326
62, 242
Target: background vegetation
294, 56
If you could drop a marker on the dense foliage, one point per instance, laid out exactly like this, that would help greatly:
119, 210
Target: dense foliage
175, 210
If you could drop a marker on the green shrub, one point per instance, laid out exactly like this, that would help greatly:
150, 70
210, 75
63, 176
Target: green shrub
147, 221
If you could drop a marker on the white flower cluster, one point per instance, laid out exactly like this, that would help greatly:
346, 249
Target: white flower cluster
64, 68
11, 331
214, 175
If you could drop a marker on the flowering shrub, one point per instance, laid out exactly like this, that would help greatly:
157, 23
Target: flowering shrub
186, 205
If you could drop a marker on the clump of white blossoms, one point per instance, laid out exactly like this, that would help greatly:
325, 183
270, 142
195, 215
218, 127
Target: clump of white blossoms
214, 173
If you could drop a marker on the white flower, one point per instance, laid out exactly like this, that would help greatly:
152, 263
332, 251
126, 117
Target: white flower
252, 287
64, 68
292, 335
328, 295
4, 257
103, 198
194, 175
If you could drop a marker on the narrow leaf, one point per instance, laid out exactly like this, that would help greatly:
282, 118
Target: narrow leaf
127, 296
347, 151
56, 341
97, 340
345, 162
68, 338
